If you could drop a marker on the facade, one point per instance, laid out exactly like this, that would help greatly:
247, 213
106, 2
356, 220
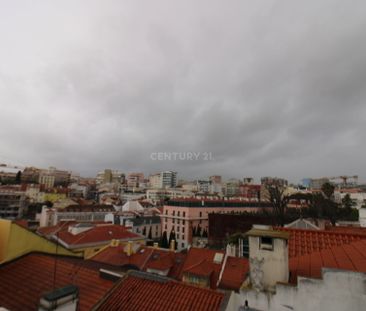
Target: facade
30, 175
134, 179
274, 181
215, 179
156, 195
231, 188
52, 216
46, 180
163, 180
16, 241
110, 176
13, 202
148, 226
317, 183
183, 215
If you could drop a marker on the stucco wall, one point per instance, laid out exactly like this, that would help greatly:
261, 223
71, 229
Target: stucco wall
338, 290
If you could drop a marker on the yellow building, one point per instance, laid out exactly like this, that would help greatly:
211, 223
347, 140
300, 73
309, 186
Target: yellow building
54, 196
16, 241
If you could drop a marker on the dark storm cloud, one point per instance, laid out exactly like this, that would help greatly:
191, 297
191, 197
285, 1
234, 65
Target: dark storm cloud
266, 87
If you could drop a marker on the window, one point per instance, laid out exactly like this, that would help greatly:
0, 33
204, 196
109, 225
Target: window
173, 221
183, 222
183, 237
177, 228
166, 212
178, 213
178, 221
177, 236
184, 214
166, 226
183, 245
200, 214
183, 229
173, 213
266, 243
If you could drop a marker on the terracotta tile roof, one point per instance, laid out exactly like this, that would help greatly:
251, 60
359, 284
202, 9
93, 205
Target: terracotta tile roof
304, 241
22, 223
346, 257
235, 273
138, 291
23, 281
160, 260
144, 258
64, 226
346, 229
201, 268
199, 261
97, 234
116, 256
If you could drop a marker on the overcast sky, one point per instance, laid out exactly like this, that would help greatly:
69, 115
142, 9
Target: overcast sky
266, 87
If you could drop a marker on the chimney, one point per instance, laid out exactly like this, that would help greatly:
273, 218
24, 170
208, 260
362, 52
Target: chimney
172, 245
114, 243
129, 248
65, 298
268, 257
156, 245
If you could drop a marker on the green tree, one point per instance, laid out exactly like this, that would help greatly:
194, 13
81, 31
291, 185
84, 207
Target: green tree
171, 236
150, 234
348, 203
164, 240
279, 201
198, 231
18, 177
328, 190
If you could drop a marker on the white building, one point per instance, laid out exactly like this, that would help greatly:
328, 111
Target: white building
359, 198
163, 180
268, 289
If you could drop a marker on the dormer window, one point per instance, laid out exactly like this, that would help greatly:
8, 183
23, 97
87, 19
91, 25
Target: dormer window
266, 243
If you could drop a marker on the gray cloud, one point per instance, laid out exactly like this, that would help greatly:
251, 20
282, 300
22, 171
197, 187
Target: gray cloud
269, 88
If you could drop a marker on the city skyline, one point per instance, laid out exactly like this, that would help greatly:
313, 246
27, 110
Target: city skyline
272, 88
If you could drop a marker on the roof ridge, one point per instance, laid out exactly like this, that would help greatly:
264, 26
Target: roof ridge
196, 265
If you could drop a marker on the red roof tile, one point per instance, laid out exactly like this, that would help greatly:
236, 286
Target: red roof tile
139, 291
199, 261
97, 234
25, 280
346, 257
116, 256
235, 273
145, 258
304, 241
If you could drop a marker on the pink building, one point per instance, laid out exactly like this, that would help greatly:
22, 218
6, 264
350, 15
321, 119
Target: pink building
182, 215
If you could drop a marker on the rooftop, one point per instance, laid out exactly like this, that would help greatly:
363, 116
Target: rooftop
346, 257
235, 273
303, 241
194, 202
117, 256
200, 261
97, 234
26, 279
141, 291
